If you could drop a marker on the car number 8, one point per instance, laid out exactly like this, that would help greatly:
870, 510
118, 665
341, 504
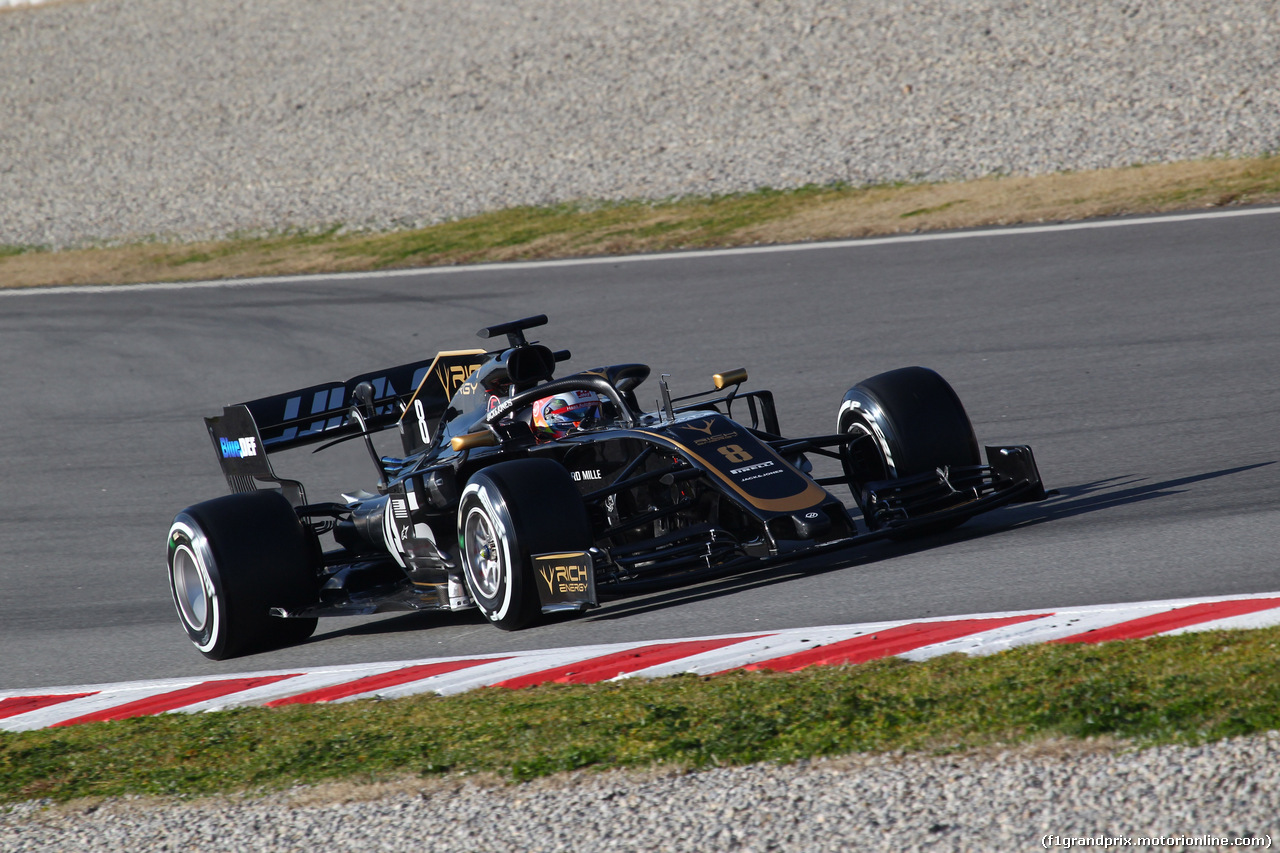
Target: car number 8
735, 454
423, 429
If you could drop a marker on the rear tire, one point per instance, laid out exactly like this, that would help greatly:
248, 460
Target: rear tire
233, 558
508, 512
914, 423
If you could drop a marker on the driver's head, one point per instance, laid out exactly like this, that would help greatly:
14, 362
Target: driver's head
557, 416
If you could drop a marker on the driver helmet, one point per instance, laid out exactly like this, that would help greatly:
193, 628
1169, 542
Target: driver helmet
560, 414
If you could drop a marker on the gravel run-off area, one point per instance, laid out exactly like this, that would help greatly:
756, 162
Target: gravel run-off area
998, 800
123, 119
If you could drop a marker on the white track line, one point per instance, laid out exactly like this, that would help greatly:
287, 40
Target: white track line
932, 237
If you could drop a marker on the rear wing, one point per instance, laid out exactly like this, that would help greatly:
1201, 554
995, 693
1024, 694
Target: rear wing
418, 393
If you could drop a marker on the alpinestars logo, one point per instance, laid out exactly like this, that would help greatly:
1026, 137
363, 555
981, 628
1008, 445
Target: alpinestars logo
239, 448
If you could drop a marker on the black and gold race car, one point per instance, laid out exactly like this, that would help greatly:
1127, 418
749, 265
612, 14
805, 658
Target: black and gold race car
523, 494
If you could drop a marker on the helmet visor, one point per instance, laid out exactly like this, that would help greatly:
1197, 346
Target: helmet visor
562, 416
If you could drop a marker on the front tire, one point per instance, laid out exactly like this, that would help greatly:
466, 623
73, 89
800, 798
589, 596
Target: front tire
911, 422
233, 558
508, 512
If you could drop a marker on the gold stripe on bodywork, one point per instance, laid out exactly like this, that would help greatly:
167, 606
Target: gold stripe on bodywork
810, 496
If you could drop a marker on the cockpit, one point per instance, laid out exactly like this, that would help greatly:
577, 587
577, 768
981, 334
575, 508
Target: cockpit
515, 392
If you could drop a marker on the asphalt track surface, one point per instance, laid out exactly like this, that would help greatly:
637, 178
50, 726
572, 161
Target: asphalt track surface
1142, 363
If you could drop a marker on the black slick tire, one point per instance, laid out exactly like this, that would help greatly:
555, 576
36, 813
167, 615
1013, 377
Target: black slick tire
912, 422
508, 512
230, 561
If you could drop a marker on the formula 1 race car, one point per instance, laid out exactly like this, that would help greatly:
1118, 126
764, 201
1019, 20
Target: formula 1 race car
522, 494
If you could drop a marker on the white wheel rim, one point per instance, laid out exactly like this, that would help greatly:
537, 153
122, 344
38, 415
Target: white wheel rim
191, 587
194, 595
484, 554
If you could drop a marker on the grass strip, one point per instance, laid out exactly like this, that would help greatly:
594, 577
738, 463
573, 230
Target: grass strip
1186, 689
594, 228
